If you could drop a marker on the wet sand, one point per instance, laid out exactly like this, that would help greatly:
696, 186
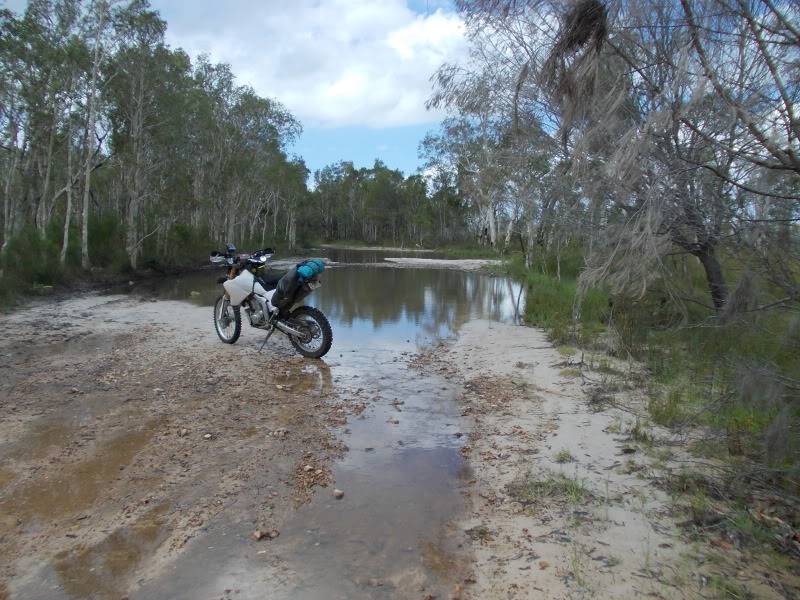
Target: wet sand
126, 428
461, 264
374, 248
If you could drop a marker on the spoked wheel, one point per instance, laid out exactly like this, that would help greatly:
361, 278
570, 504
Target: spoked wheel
227, 320
318, 335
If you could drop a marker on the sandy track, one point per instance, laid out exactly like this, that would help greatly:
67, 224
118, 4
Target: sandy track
565, 500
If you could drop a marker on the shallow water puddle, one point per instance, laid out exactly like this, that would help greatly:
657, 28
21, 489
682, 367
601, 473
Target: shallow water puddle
100, 571
389, 536
79, 485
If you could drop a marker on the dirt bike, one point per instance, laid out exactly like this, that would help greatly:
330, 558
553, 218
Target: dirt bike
271, 302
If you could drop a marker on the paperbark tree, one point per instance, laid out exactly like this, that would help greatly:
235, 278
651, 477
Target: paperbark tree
99, 18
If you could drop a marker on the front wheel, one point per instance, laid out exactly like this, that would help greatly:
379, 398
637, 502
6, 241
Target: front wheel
227, 320
318, 335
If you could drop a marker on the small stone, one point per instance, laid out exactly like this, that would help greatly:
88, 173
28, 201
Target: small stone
318, 472
308, 468
543, 564
338, 494
183, 433
273, 534
74, 391
257, 535
207, 436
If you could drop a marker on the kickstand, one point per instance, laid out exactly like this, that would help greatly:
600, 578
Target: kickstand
266, 339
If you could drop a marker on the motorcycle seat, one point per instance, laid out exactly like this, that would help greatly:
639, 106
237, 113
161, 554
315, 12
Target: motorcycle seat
269, 282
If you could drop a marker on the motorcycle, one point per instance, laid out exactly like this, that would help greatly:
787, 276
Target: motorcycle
271, 302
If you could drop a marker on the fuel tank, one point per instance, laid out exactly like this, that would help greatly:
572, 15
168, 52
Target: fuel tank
240, 287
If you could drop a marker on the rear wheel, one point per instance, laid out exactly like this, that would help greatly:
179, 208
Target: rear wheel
227, 320
318, 335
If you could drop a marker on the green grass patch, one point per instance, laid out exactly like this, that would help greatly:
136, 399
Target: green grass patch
551, 304
533, 491
564, 456
726, 588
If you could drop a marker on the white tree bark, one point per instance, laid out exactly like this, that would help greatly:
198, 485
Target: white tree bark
97, 56
68, 210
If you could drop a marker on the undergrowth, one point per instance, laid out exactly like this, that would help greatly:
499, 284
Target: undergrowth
734, 381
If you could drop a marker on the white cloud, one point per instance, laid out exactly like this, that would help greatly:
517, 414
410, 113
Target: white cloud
331, 62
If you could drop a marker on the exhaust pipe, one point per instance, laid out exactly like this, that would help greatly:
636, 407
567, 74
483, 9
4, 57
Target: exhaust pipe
289, 330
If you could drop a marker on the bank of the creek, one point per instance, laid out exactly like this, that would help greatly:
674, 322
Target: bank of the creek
139, 454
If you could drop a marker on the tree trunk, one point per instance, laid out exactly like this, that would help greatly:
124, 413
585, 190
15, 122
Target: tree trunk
531, 240
714, 276
131, 231
43, 210
492, 225
90, 132
9, 206
68, 211
135, 199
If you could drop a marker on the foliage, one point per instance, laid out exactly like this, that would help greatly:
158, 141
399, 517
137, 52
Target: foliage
153, 159
664, 222
381, 205
736, 379
551, 303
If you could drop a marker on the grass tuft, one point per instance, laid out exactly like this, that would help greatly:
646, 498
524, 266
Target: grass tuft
532, 491
564, 456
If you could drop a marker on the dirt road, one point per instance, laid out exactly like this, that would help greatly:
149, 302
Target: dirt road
126, 427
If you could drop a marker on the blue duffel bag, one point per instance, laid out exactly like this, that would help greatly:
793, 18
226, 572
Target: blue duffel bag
288, 288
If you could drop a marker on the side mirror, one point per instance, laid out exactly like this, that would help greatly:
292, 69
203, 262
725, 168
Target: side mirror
231, 249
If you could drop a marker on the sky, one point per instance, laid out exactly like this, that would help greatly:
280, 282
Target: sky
356, 73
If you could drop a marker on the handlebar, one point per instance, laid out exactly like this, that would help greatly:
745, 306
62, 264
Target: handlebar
230, 257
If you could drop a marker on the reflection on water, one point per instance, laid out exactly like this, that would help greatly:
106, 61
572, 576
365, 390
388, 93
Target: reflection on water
407, 302
381, 305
